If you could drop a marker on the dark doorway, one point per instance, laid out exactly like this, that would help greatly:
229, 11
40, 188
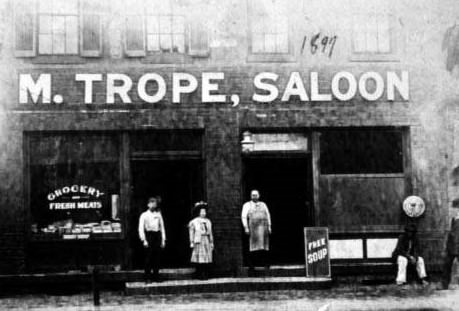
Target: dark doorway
285, 185
179, 183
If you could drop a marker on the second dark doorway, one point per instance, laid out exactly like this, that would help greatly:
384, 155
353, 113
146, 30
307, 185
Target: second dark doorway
285, 185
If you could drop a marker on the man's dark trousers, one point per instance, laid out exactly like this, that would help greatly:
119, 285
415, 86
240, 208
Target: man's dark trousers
447, 266
153, 255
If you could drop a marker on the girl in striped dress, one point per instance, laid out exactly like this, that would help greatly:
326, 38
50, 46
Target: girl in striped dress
201, 240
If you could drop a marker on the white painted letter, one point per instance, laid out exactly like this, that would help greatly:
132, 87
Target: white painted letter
88, 79
351, 90
402, 85
379, 83
295, 86
272, 90
142, 84
42, 86
178, 89
207, 87
122, 90
315, 94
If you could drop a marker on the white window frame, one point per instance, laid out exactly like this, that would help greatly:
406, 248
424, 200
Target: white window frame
267, 56
361, 13
78, 16
145, 51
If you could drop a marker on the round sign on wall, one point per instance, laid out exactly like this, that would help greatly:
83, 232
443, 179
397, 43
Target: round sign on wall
414, 206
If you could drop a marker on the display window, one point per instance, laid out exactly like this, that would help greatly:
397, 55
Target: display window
361, 151
74, 186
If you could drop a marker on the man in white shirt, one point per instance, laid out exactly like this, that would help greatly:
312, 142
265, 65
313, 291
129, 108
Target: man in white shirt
153, 236
257, 225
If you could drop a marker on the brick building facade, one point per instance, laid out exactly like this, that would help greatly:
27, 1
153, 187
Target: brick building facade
347, 164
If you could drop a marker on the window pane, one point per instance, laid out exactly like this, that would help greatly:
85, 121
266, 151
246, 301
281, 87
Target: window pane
270, 43
178, 24
361, 152
282, 25
59, 44
269, 26
166, 42
134, 33
258, 25
153, 42
282, 43
179, 43
372, 35
152, 24
71, 26
91, 32
59, 24
63, 169
165, 24
359, 33
71, 36
45, 44
384, 34
45, 24
258, 43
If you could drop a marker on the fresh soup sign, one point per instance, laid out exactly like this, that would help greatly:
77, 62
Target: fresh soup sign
341, 86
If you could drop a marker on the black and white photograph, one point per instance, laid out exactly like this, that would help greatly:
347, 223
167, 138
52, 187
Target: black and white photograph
229, 155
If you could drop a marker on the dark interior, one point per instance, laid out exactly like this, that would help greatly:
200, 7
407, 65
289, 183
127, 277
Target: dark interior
285, 185
179, 183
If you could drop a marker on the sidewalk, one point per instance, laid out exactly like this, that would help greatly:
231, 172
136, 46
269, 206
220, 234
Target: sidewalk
344, 297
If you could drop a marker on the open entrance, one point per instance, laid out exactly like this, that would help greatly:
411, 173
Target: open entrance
285, 185
178, 182
169, 164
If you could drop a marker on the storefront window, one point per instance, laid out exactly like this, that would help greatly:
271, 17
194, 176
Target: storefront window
361, 152
74, 186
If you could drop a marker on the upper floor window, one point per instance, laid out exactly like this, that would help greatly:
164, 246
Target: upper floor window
159, 26
374, 32
269, 35
58, 27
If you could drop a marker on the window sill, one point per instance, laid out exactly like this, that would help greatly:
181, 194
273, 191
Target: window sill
44, 238
165, 58
374, 57
58, 59
382, 175
271, 58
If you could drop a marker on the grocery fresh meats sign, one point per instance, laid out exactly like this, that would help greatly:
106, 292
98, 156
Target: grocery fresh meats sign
212, 87
75, 197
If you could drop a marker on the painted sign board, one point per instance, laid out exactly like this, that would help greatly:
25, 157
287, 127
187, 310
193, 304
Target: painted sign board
75, 197
317, 253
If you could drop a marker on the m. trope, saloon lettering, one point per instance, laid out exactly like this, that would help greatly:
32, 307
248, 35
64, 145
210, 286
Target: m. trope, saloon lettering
343, 86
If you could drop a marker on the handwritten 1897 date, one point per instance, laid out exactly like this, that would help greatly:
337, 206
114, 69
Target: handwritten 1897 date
320, 44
